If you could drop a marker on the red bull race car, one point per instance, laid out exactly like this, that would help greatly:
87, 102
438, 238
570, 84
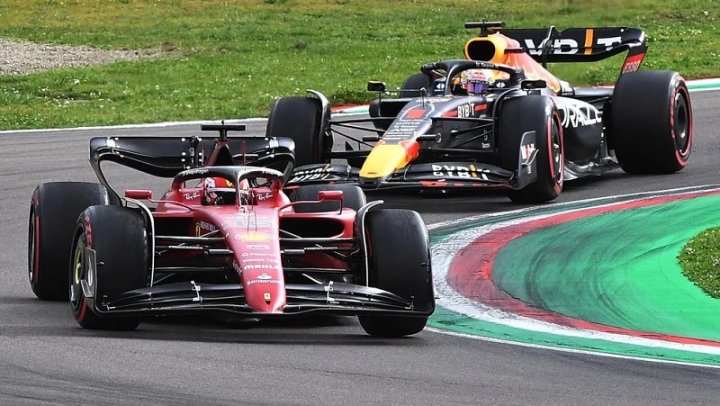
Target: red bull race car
500, 119
225, 239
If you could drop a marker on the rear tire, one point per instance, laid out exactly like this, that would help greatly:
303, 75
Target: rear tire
353, 197
54, 210
399, 261
300, 118
117, 234
533, 113
651, 122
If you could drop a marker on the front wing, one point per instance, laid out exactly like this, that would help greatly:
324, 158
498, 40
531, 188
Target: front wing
194, 298
444, 175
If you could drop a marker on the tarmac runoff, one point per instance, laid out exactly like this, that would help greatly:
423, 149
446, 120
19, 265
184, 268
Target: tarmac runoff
597, 276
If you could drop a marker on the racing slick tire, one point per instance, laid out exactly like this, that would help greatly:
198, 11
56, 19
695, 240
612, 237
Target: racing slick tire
413, 83
54, 209
651, 126
533, 113
353, 197
300, 118
118, 237
399, 262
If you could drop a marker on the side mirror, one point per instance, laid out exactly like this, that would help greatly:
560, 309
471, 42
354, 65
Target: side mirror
138, 194
533, 84
331, 195
374, 86
324, 195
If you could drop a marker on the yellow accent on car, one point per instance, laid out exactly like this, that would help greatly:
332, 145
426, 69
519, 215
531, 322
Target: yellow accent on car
490, 48
588, 41
383, 161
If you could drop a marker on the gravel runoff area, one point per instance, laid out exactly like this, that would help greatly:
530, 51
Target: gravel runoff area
23, 57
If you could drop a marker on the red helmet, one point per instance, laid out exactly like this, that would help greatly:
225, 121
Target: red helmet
218, 191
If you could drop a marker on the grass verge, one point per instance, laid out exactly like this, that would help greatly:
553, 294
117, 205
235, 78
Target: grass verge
700, 261
232, 59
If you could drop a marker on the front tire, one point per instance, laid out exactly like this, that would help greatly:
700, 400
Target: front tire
533, 113
118, 237
399, 261
300, 118
54, 210
651, 127
413, 85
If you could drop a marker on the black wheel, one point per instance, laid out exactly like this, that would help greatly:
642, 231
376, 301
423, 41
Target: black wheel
54, 210
533, 113
399, 261
413, 83
353, 197
118, 237
651, 126
300, 118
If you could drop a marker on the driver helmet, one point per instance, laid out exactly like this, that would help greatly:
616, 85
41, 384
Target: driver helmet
476, 81
217, 191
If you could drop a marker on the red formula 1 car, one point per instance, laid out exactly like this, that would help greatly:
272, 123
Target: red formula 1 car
499, 119
225, 239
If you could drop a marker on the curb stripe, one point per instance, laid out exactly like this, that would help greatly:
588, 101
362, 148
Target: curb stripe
477, 285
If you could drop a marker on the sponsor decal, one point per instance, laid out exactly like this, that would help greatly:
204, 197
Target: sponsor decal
256, 254
526, 152
252, 236
257, 247
261, 266
267, 296
263, 278
568, 46
434, 99
244, 260
574, 116
196, 171
632, 63
248, 219
311, 174
467, 110
460, 171
264, 196
402, 128
191, 195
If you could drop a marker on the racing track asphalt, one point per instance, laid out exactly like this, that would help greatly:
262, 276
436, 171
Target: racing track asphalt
46, 358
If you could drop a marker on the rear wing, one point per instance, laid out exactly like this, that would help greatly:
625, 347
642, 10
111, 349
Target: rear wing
548, 45
167, 156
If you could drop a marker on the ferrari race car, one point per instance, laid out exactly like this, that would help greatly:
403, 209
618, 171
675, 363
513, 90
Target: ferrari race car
500, 119
225, 239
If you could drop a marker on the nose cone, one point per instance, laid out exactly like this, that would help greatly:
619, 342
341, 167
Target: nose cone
265, 291
385, 159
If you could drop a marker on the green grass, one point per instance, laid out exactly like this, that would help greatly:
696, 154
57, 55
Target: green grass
232, 59
700, 261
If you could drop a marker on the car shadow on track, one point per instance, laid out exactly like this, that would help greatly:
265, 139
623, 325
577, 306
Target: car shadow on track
37, 318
